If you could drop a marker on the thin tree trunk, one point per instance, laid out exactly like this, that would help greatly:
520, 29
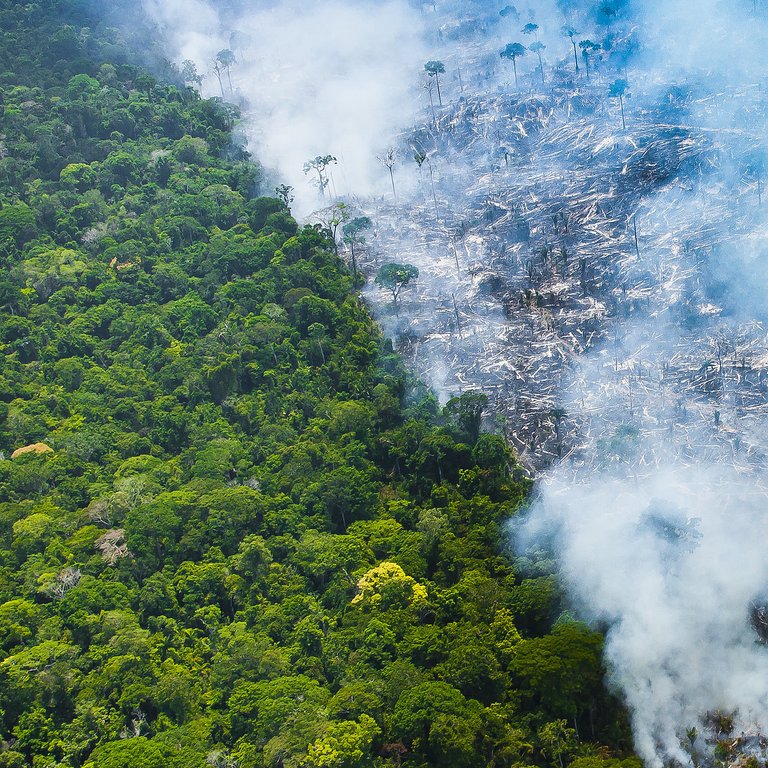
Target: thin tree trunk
432, 106
634, 229
434, 196
575, 55
354, 262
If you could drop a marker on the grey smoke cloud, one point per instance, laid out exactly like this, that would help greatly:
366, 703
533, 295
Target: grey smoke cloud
322, 77
670, 561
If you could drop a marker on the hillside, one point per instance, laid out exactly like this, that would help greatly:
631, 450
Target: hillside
233, 531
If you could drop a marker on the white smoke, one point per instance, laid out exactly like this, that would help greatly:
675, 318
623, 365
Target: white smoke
327, 77
670, 561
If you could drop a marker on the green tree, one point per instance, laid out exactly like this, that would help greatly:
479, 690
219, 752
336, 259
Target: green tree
570, 32
435, 69
467, 412
346, 744
513, 51
395, 277
319, 165
435, 719
561, 672
189, 73
588, 48
226, 58
537, 47
129, 753
557, 739
618, 90
354, 236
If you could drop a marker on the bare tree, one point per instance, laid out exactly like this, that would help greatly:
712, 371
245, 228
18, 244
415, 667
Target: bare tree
421, 157
221, 758
755, 169
429, 86
218, 70
64, 581
135, 726
112, 546
388, 159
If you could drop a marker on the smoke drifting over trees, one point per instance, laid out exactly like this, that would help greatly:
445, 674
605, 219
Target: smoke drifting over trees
657, 509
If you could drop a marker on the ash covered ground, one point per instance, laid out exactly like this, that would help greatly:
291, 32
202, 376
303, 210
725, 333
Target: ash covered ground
556, 247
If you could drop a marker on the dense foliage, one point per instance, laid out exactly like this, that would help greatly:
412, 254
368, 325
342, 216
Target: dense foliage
235, 532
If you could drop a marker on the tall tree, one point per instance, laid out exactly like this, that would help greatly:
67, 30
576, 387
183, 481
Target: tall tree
189, 73
332, 218
570, 32
510, 11
218, 70
531, 29
388, 159
435, 69
394, 277
617, 91
354, 236
226, 58
513, 51
537, 47
588, 47
755, 169
284, 192
319, 165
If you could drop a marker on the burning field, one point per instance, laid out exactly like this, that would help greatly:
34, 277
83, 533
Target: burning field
597, 268
554, 235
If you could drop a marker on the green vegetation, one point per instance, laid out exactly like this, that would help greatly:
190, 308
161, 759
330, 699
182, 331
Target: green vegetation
394, 277
238, 534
